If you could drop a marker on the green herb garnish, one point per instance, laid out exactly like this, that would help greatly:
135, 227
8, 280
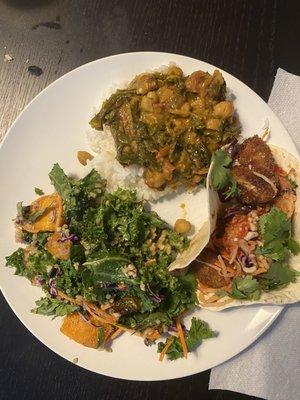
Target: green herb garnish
222, 178
38, 191
275, 228
56, 307
199, 331
246, 288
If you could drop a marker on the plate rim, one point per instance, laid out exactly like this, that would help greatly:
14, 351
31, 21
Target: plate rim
170, 55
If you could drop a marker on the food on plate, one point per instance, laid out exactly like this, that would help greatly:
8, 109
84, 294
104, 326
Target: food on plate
84, 156
253, 254
44, 214
169, 124
102, 260
254, 170
182, 226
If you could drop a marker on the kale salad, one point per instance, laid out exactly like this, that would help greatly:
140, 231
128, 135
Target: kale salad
102, 260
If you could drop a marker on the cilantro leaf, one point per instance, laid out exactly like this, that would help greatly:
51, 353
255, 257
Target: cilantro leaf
36, 215
101, 336
16, 259
38, 191
233, 189
221, 175
60, 181
23, 213
275, 228
56, 307
20, 210
199, 331
293, 246
246, 288
278, 276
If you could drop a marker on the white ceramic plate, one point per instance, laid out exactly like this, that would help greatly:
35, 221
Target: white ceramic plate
52, 129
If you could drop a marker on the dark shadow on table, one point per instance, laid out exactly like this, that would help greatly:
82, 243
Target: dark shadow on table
27, 4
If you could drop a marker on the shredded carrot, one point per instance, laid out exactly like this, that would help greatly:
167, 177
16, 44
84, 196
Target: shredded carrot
104, 318
182, 338
201, 297
105, 306
218, 269
101, 313
206, 289
238, 268
233, 254
218, 304
62, 295
212, 299
230, 270
223, 266
166, 348
259, 271
244, 246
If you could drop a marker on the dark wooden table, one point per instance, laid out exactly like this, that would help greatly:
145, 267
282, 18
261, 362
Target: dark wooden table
249, 39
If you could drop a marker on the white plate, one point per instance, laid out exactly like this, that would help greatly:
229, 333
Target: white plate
52, 129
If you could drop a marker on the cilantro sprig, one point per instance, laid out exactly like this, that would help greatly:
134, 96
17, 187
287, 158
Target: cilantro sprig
53, 306
246, 288
199, 331
222, 179
276, 230
278, 276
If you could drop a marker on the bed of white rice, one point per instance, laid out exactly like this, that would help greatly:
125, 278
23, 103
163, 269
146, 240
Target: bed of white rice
105, 162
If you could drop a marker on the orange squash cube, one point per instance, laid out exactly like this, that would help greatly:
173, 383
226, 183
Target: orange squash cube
51, 219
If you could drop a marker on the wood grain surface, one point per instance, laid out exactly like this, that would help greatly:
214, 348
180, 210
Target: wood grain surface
248, 38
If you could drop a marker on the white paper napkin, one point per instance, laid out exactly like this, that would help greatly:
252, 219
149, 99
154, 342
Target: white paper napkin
270, 368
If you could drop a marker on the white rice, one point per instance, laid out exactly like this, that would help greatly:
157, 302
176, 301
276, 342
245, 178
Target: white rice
105, 162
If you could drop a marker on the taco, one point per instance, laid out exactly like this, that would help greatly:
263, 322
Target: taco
253, 253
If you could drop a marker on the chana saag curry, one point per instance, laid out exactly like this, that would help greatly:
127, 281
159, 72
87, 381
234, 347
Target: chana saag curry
170, 124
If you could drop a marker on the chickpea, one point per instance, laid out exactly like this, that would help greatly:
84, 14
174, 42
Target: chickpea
154, 179
144, 83
213, 123
190, 137
217, 78
194, 81
146, 104
182, 226
153, 96
164, 94
224, 109
174, 70
198, 106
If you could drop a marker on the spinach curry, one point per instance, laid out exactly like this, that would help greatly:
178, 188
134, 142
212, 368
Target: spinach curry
170, 124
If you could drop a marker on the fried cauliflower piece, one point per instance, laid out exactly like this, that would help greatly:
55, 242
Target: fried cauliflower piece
207, 275
254, 168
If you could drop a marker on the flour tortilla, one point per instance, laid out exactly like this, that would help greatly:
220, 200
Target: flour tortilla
197, 244
286, 295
